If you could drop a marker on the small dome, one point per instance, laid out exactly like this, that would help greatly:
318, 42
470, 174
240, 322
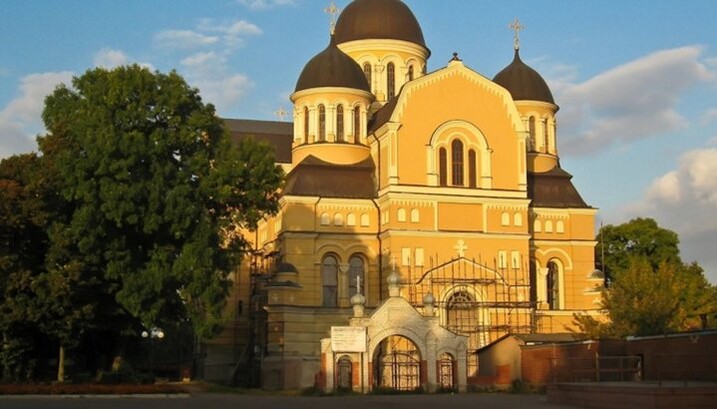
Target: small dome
286, 268
428, 299
332, 68
378, 19
523, 82
358, 299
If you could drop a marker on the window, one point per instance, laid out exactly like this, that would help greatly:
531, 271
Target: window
340, 123
322, 123
357, 124
325, 219
531, 132
367, 73
410, 73
306, 124
545, 135
472, 182
391, 80
338, 219
401, 215
505, 219
517, 219
560, 227
356, 270
461, 313
351, 219
365, 222
406, 256
457, 163
415, 216
442, 167
537, 227
329, 278
553, 286
549, 226
418, 256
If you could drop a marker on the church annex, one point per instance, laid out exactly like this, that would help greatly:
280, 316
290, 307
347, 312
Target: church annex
425, 215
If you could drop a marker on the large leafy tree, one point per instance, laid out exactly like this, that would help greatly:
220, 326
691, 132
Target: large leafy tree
651, 290
155, 191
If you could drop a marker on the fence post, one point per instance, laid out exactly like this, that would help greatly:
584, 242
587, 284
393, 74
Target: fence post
597, 366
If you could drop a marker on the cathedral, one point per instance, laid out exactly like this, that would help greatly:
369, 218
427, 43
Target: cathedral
424, 216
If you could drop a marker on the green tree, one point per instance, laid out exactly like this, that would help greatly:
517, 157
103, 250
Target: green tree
651, 290
640, 237
157, 193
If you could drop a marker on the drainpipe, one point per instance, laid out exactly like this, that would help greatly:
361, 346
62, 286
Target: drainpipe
378, 218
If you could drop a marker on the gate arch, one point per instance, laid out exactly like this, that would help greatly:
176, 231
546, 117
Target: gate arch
397, 364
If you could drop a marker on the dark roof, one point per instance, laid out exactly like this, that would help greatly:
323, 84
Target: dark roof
523, 82
546, 338
554, 189
378, 19
280, 135
383, 115
332, 68
315, 177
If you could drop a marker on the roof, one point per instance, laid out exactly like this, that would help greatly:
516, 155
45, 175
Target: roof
554, 189
383, 115
280, 135
332, 68
523, 82
534, 339
315, 177
378, 19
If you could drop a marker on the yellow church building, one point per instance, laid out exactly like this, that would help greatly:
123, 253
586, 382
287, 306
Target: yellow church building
425, 215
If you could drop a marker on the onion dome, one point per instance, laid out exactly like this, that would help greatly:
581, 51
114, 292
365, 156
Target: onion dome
378, 19
523, 82
358, 299
332, 68
429, 299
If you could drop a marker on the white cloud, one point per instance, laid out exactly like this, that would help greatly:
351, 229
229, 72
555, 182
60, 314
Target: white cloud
232, 33
632, 101
109, 58
20, 119
209, 72
265, 4
183, 39
685, 200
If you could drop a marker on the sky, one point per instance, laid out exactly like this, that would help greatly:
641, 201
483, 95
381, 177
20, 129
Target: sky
636, 80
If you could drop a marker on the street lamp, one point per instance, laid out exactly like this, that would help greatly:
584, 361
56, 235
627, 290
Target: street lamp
152, 334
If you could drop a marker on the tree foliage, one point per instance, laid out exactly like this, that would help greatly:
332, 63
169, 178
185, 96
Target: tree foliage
131, 216
651, 290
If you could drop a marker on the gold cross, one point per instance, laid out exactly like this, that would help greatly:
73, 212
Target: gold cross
517, 28
332, 11
281, 113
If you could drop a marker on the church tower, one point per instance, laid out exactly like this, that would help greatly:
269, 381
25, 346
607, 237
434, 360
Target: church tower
385, 39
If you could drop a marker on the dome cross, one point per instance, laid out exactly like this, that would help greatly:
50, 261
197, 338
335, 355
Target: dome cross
332, 11
517, 28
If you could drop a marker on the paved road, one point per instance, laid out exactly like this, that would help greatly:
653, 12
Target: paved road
228, 401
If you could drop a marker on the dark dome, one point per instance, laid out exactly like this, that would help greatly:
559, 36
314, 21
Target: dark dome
332, 68
378, 19
523, 82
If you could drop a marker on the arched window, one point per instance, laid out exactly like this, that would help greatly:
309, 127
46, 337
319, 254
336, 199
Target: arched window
548, 226
531, 132
461, 313
338, 219
322, 123
415, 216
537, 226
365, 221
517, 219
329, 279
442, 167
367, 73
457, 162
553, 286
340, 123
505, 219
410, 72
560, 226
356, 270
401, 215
545, 135
306, 124
325, 220
391, 80
351, 219
472, 177
357, 124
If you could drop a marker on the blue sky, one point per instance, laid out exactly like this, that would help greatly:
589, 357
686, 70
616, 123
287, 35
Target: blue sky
636, 80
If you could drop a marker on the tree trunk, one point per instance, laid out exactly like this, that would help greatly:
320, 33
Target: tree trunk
61, 365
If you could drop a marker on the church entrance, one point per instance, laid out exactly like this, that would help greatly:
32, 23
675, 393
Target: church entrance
397, 364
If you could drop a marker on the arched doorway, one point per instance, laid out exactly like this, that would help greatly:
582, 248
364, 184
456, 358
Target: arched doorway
397, 364
447, 372
344, 374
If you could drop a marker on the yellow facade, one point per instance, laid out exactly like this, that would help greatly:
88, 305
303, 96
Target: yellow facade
459, 178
